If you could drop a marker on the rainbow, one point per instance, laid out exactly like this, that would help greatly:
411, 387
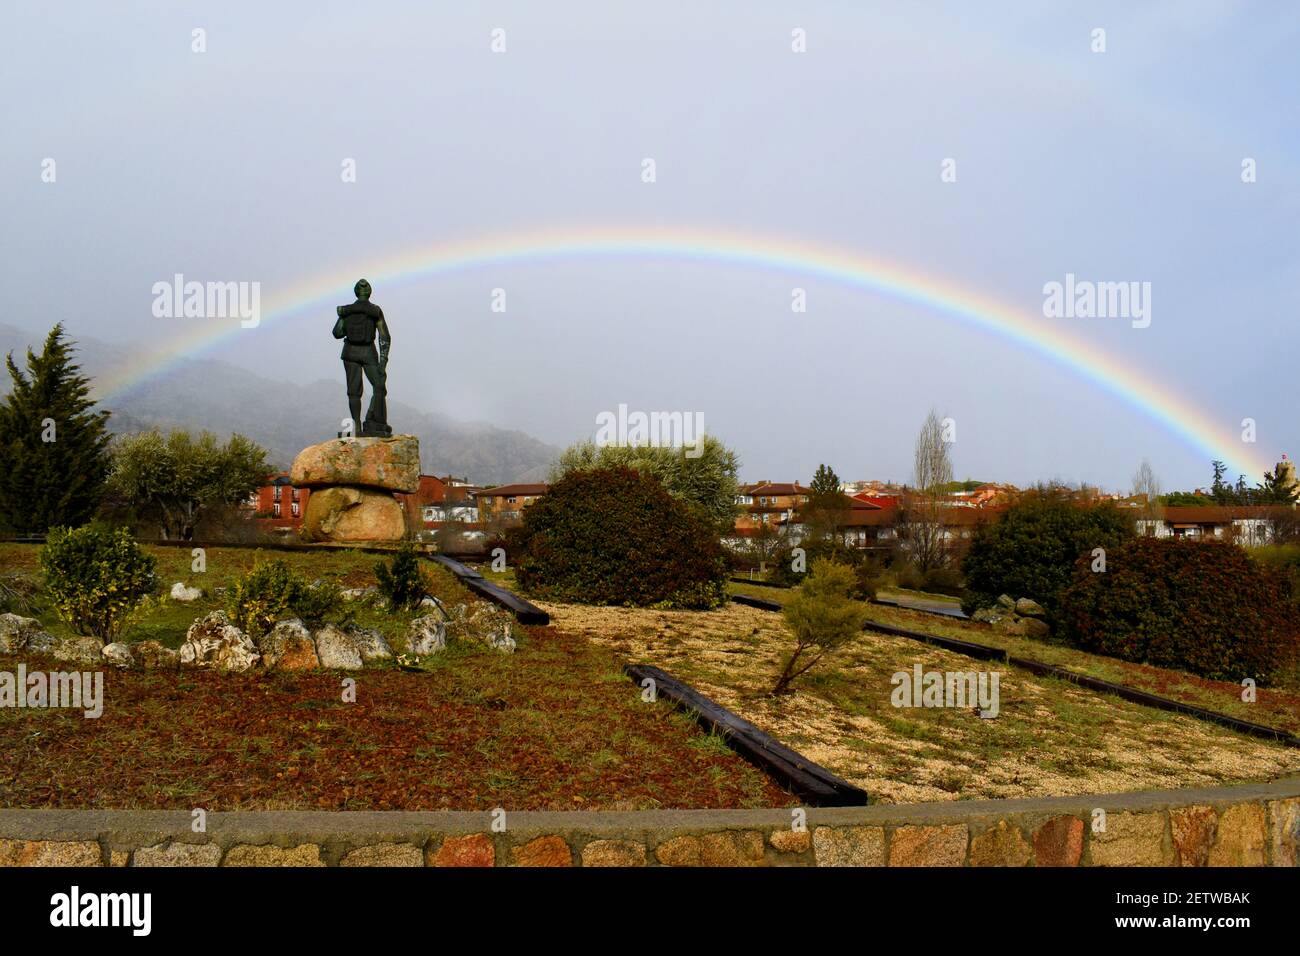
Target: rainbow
1046, 337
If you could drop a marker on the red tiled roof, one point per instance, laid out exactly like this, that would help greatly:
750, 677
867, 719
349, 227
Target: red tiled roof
507, 490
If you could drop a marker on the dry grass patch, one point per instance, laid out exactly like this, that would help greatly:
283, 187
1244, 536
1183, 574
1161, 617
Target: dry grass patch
1051, 737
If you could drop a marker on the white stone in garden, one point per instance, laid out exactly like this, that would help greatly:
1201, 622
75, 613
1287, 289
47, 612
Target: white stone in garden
214, 642
118, 654
181, 593
358, 594
151, 655
337, 649
80, 650
426, 635
17, 634
288, 646
500, 640
370, 643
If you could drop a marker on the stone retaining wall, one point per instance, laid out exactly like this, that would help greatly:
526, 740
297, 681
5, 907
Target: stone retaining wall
1254, 825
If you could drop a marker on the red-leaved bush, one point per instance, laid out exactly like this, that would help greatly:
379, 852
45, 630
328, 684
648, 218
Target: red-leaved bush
1198, 606
616, 536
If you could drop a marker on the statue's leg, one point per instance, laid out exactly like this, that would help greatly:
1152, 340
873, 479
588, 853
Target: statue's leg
377, 414
353, 372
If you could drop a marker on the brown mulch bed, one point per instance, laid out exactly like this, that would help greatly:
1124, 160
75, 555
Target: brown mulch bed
553, 726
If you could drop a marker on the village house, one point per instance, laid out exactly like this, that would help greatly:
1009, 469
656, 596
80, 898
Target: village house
505, 503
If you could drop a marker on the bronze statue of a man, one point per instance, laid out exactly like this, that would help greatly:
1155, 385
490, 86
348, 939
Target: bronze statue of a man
357, 324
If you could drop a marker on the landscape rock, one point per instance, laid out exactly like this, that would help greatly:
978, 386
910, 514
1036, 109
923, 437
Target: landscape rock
337, 649
370, 643
928, 846
849, 846
358, 594
151, 655
50, 853
185, 594
1007, 601
384, 854
17, 633
476, 849
249, 854
726, 848
613, 853
426, 635
392, 464
214, 642
1026, 607
1059, 842
79, 650
988, 615
544, 851
177, 854
345, 514
288, 647
118, 654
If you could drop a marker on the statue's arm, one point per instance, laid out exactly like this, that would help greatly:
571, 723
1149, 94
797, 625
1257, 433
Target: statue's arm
339, 331
385, 339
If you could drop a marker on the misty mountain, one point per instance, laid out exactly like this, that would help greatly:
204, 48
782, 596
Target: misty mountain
284, 417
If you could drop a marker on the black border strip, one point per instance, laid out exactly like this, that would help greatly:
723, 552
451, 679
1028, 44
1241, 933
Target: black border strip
793, 771
524, 611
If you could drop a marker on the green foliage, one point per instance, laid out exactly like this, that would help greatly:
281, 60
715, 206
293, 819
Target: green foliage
706, 483
1031, 551
822, 615
401, 582
616, 536
825, 482
96, 578
1283, 558
53, 444
173, 478
1199, 606
868, 574
272, 591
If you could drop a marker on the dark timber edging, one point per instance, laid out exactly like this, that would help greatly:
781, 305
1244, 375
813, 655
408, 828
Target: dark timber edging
984, 652
793, 771
525, 611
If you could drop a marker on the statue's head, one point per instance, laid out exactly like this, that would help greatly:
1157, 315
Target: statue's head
362, 289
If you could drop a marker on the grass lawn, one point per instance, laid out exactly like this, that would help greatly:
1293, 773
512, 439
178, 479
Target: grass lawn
555, 725
1051, 737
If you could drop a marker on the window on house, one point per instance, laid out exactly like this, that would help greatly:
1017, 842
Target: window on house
293, 509
510, 500
275, 509
295, 494
277, 493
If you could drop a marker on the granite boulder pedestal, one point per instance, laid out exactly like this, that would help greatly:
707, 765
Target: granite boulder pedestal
352, 482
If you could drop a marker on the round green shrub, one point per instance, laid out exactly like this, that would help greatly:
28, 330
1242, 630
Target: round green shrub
96, 577
1199, 606
867, 571
616, 536
401, 582
1030, 552
272, 591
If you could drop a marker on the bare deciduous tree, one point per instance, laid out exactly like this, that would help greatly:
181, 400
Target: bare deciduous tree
1147, 485
921, 523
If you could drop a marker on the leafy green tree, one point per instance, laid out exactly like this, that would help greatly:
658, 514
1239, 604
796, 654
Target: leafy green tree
173, 478
707, 483
826, 507
1031, 551
53, 443
823, 616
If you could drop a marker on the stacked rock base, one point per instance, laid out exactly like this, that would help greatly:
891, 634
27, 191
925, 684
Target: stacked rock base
352, 482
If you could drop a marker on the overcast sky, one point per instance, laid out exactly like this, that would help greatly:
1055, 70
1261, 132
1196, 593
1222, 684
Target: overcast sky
1117, 166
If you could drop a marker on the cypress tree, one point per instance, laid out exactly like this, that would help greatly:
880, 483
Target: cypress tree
54, 457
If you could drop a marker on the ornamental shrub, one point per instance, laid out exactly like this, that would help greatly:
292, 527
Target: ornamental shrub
272, 591
1030, 552
616, 536
96, 577
401, 582
1198, 606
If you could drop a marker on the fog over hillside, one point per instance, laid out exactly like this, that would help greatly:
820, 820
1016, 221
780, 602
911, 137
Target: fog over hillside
284, 417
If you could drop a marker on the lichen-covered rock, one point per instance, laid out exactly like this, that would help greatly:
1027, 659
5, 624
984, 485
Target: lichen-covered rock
288, 647
17, 634
337, 649
153, 656
185, 594
358, 594
79, 650
214, 642
370, 643
118, 654
1027, 607
482, 623
426, 635
353, 515
387, 463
